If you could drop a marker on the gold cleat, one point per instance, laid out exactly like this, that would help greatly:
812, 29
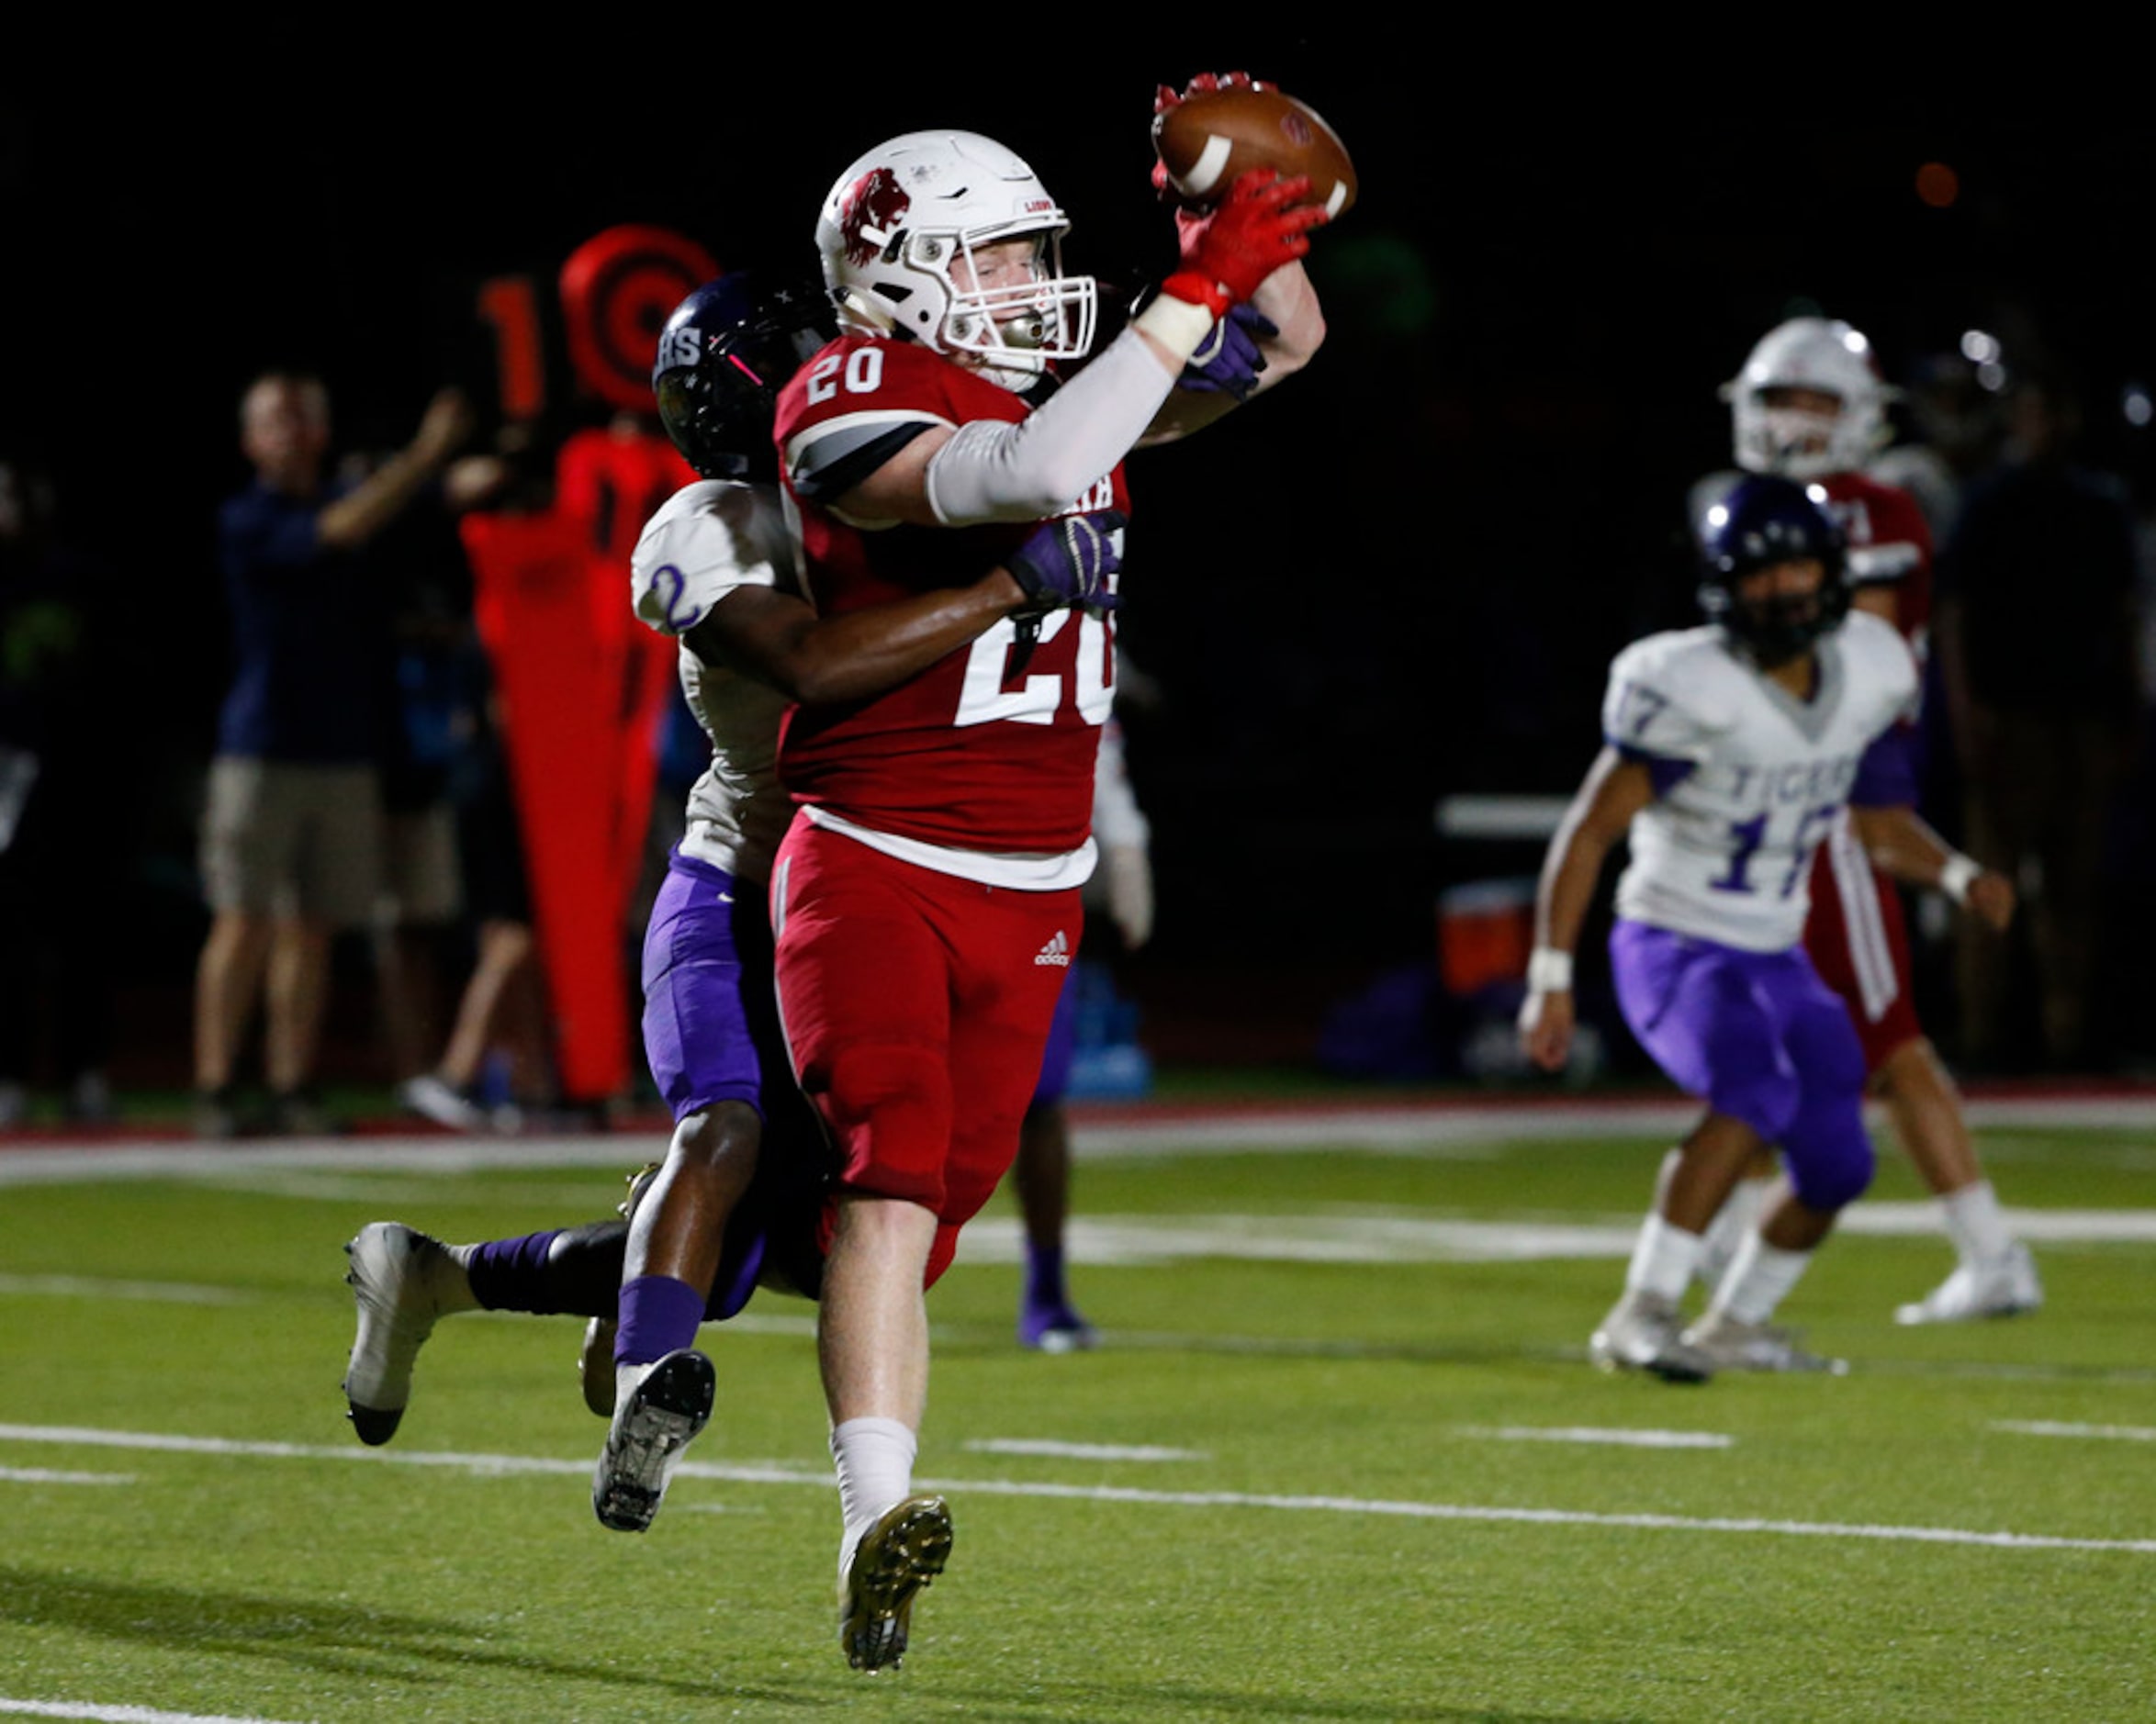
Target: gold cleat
903, 1552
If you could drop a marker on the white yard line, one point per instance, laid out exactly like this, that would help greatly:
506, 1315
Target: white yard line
116, 1714
773, 1474
1435, 1128
1081, 1451
2049, 1427
1135, 1241
45, 1475
1408, 1237
1589, 1434
92, 1287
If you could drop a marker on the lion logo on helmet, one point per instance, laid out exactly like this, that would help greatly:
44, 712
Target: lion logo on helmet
869, 213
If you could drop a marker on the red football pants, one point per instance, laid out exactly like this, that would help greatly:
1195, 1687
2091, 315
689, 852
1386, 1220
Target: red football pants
916, 1006
1858, 941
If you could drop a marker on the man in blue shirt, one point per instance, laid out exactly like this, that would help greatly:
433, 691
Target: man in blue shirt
291, 840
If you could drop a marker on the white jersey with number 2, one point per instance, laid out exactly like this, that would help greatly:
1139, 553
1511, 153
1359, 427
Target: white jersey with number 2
709, 539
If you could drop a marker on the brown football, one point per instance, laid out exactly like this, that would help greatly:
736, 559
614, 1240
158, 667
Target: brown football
1209, 141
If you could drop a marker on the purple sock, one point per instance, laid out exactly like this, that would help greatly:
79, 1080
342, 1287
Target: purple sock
510, 1274
1044, 1277
659, 1316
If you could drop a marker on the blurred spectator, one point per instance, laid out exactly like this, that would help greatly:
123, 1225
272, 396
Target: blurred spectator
291, 841
435, 682
2036, 638
502, 1014
55, 854
1954, 415
1122, 885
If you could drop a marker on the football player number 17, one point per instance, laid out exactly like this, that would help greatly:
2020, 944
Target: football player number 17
1747, 837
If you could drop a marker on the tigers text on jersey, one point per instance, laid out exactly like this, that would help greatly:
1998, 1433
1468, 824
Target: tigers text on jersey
1748, 779
991, 749
708, 539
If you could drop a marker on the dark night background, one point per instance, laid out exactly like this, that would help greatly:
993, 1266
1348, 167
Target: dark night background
1401, 577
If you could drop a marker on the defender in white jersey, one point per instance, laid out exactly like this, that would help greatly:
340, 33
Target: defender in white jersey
1730, 753
1809, 403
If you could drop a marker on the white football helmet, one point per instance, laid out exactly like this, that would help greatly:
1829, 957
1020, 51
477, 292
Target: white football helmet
1819, 353
899, 233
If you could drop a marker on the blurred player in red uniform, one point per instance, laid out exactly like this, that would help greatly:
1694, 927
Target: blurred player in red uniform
1809, 405
925, 900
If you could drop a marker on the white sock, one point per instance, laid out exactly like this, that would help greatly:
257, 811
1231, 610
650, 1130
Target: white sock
1759, 1280
875, 1461
1663, 1259
1975, 1223
1738, 1215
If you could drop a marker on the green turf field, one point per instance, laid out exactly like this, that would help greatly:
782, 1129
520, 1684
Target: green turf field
1339, 1457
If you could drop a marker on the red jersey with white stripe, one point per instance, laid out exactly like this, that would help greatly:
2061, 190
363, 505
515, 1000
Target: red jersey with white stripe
1855, 934
992, 748
1890, 546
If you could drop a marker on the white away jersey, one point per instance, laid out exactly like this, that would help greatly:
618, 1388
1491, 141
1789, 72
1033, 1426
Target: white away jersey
1748, 779
708, 539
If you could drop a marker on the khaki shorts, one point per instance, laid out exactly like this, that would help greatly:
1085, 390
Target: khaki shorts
422, 883
280, 839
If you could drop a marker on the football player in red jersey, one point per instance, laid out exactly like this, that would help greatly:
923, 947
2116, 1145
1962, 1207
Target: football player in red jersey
926, 900
1809, 405
715, 569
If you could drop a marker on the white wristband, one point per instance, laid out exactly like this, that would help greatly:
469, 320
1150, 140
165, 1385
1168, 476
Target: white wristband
1957, 875
1179, 326
1549, 970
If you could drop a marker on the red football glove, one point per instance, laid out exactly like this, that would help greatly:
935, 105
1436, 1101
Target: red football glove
1260, 226
1164, 98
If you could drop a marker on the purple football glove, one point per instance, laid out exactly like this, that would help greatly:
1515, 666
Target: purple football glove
1229, 358
1069, 561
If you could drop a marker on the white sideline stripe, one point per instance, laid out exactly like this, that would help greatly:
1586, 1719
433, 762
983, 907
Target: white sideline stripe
1621, 1439
45, 1475
1541, 1517
1436, 1130
1143, 1239
773, 1474
1408, 1237
1081, 1451
117, 1714
2049, 1428
91, 1287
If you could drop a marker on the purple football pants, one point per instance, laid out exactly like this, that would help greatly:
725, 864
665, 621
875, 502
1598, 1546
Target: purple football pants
1759, 1037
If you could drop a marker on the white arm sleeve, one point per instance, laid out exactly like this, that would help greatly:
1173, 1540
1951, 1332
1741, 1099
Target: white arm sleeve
991, 470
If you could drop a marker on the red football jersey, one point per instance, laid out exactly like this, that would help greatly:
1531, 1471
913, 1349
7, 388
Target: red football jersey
1855, 932
1890, 544
992, 748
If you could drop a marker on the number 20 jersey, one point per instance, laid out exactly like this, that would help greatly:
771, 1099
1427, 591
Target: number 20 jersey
992, 748
1748, 779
